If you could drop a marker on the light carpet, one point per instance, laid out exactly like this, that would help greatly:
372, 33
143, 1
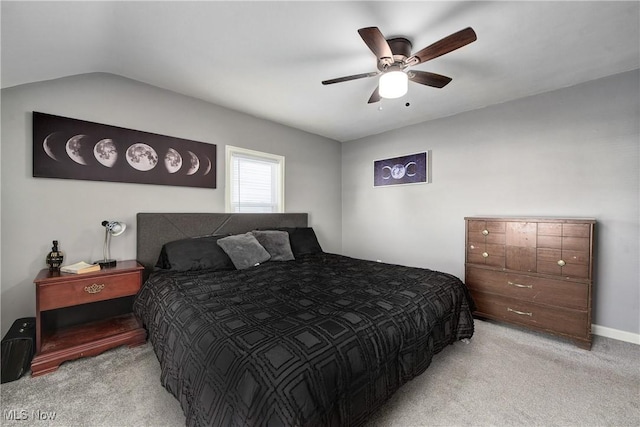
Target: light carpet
504, 377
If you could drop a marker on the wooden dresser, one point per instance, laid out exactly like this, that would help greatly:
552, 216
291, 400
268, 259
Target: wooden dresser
533, 272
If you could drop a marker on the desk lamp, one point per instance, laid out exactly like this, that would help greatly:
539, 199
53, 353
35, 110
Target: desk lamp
112, 228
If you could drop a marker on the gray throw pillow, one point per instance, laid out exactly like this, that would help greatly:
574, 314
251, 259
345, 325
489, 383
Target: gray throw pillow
276, 243
244, 250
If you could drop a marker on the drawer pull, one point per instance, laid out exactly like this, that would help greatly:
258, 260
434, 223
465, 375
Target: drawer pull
485, 232
485, 255
521, 313
94, 289
561, 263
518, 285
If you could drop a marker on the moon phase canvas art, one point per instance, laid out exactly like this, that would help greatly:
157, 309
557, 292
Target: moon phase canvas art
69, 148
410, 169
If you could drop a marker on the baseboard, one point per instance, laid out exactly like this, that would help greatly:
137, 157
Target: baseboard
616, 334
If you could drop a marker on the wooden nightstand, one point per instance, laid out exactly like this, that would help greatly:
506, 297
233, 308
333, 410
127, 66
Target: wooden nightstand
80, 315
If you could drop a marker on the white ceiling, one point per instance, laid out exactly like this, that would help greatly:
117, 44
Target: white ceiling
267, 59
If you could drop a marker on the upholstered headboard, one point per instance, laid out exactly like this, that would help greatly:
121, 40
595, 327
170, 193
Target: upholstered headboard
156, 229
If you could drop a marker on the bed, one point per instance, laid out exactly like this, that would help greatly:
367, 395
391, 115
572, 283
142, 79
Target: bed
321, 339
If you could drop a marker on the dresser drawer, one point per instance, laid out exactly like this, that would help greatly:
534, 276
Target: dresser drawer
540, 290
487, 254
563, 321
85, 290
566, 229
492, 232
567, 263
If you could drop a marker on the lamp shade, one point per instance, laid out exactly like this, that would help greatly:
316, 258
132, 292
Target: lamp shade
115, 228
393, 84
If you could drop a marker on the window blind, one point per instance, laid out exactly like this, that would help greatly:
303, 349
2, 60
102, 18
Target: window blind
254, 184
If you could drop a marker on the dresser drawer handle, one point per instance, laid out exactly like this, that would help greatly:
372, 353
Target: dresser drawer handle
521, 313
561, 263
485, 255
94, 289
485, 232
518, 285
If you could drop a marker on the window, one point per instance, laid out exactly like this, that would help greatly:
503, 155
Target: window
255, 181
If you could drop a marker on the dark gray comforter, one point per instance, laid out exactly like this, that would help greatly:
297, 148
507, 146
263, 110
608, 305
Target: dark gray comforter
323, 340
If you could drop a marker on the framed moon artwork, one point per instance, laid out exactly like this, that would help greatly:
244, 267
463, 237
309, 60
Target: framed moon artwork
409, 169
75, 149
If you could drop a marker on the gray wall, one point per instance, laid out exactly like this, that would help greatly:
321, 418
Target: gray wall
36, 211
571, 152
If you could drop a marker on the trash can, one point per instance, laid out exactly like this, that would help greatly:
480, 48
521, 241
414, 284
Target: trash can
18, 346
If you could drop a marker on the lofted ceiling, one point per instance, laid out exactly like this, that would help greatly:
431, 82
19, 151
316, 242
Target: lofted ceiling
268, 59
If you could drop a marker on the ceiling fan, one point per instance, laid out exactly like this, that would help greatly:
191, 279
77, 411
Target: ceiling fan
394, 58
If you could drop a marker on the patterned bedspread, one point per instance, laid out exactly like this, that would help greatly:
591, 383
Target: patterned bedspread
323, 340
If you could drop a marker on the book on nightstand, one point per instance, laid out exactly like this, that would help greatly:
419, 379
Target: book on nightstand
80, 267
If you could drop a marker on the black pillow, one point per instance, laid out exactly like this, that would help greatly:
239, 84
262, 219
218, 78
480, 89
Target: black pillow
303, 240
196, 253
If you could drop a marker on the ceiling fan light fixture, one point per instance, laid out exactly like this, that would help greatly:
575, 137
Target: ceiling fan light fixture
393, 84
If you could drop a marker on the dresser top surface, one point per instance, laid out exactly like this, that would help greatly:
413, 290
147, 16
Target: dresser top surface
532, 219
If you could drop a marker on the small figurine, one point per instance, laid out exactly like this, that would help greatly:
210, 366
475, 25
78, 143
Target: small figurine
55, 257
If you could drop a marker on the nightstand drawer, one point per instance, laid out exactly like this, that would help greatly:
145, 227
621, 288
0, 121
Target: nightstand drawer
85, 290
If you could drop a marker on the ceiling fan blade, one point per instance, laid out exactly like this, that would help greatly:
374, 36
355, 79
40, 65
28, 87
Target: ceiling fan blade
446, 45
375, 96
429, 79
376, 42
353, 77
